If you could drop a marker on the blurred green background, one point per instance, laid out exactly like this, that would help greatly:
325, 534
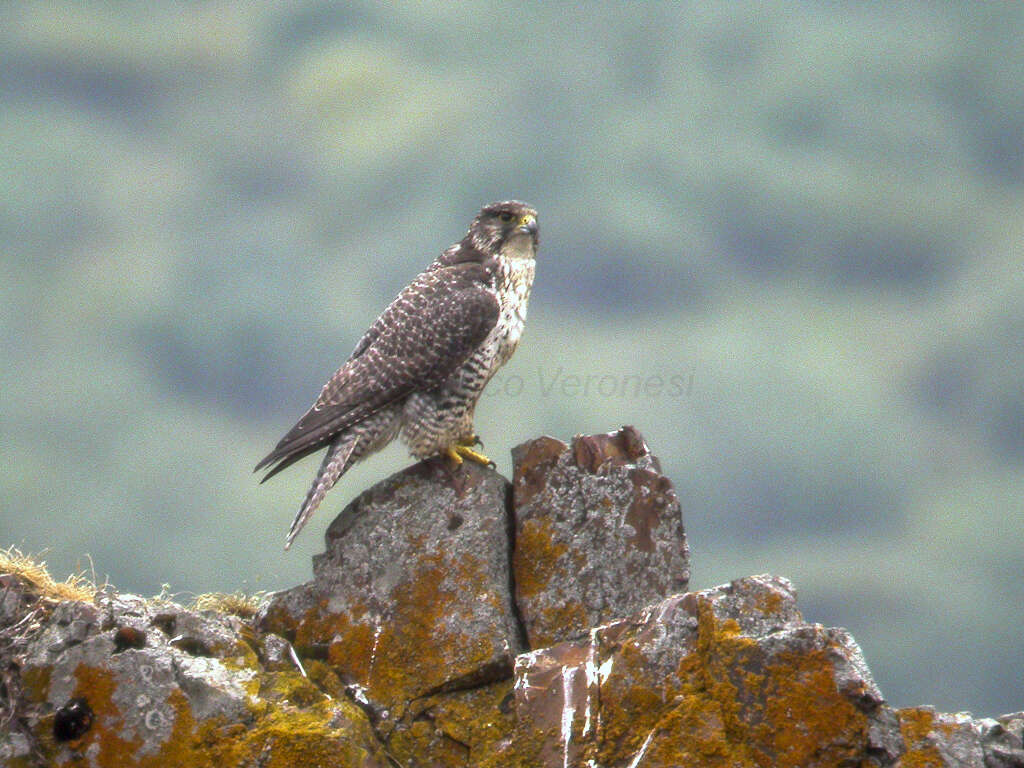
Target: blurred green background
804, 219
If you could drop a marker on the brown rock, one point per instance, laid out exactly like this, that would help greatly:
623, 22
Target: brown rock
724, 677
412, 596
731, 676
599, 533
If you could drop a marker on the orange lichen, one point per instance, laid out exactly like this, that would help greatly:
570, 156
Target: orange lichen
290, 687
768, 602
324, 678
693, 733
456, 729
350, 639
698, 721
805, 716
539, 564
916, 723
413, 652
35, 683
538, 558
734, 705
418, 644
554, 624
632, 704
97, 687
916, 727
790, 712
279, 736
947, 728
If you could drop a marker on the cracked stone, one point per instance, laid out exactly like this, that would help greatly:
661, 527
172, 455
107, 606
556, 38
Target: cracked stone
599, 533
404, 604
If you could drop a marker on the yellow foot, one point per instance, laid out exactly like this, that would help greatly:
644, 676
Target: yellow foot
458, 452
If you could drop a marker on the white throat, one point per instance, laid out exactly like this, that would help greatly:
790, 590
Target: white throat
519, 247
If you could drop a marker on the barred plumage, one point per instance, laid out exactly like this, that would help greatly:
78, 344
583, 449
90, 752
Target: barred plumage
420, 368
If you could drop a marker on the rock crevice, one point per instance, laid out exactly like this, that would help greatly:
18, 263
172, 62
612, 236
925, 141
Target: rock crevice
522, 636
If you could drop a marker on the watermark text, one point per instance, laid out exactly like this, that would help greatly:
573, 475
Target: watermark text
558, 382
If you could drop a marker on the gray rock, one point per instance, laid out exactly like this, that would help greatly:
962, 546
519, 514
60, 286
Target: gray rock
1003, 739
958, 740
130, 681
15, 746
599, 533
131, 684
412, 596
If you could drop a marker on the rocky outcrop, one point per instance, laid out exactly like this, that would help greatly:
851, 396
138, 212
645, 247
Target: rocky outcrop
125, 681
413, 593
730, 676
435, 581
459, 620
598, 533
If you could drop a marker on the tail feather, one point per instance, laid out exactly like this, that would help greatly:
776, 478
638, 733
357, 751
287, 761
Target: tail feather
336, 462
285, 462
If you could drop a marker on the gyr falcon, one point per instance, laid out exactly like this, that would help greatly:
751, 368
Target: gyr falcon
420, 368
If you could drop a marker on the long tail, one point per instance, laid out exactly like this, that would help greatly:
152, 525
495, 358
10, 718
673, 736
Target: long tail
338, 459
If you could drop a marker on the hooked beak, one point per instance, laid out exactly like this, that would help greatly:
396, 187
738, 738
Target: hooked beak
528, 225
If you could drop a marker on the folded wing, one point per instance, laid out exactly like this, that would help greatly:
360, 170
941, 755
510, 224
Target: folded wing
423, 336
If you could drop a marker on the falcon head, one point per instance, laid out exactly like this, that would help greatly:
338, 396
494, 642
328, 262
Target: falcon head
500, 225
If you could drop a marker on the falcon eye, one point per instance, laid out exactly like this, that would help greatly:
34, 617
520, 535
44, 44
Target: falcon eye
505, 216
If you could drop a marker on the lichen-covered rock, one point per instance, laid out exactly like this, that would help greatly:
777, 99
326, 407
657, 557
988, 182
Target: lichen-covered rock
412, 596
402, 650
939, 740
599, 533
456, 729
730, 676
131, 682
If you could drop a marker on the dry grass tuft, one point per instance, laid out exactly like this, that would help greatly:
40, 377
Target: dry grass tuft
33, 570
79, 586
238, 603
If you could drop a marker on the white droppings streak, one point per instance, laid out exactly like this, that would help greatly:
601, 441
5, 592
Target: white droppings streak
524, 662
295, 659
593, 673
586, 716
593, 678
568, 711
359, 694
376, 639
643, 749
521, 684
373, 651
